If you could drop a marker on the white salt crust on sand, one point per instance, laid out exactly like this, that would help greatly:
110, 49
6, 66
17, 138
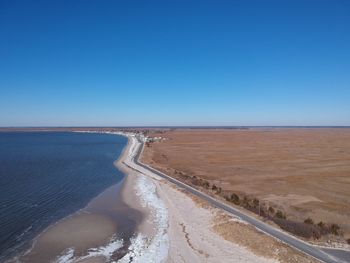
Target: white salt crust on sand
103, 251
179, 236
150, 249
142, 249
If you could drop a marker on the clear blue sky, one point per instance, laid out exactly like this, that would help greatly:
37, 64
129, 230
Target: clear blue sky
174, 63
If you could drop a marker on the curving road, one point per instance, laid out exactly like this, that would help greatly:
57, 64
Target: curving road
322, 254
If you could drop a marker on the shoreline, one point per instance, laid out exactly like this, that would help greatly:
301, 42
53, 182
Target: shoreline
150, 244
188, 233
101, 230
172, 225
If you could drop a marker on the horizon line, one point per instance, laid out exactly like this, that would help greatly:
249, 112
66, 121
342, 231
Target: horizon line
182, 126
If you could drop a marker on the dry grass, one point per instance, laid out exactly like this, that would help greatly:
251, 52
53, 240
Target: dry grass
304, 172
236, 231
259, 243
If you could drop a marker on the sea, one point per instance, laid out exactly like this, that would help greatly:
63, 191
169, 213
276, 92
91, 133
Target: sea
46, 176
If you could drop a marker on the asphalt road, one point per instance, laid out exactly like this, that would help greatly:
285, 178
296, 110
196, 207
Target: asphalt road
328, 255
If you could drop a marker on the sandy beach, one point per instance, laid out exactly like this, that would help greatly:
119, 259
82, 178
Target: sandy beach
99, 232
127, 222
180, 228
147, 219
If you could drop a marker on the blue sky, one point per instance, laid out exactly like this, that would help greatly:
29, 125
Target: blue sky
102, 63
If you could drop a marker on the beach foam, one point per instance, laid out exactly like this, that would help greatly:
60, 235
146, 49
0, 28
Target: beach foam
66, 257
102, 251
150, 249
143, 248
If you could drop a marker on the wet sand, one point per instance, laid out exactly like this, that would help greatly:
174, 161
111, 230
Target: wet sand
154, 231
105, 221
169, 225
129, 196
188, 233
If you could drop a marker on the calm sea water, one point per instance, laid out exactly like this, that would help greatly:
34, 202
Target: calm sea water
45, 176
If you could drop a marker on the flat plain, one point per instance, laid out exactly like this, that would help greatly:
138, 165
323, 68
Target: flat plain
305, 172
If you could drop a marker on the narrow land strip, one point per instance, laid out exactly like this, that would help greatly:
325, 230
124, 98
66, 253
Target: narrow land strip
322, 254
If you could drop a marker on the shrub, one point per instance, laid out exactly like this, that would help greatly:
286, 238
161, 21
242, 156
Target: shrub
321, 224
335, 229
279, 214
195, 181
326, 229
298, 228
245, 202
214, 188
255, 202
271, 210
309, 221
219, 190
348, 241
263, 211
235, 198
185, 176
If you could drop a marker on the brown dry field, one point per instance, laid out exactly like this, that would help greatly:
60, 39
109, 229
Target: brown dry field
304, 172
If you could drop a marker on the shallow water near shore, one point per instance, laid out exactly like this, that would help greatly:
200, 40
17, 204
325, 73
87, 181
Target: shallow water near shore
99, 232
45, 177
